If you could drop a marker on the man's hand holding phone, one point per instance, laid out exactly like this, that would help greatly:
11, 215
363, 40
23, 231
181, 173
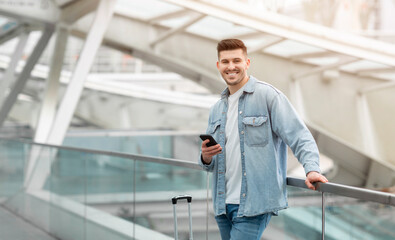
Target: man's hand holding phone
210, 148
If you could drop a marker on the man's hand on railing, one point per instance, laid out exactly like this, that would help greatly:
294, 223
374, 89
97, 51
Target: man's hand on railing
313, 177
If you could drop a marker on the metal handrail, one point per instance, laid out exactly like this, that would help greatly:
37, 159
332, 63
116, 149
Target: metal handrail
138, 157
347, 191
333, 188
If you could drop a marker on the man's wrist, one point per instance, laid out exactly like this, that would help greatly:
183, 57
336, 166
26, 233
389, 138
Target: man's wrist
203, 161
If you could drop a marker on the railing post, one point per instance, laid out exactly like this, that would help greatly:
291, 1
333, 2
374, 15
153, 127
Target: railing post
207, 205
323, 215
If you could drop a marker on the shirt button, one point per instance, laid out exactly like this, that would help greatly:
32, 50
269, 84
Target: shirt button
241, 112
242, 132
244, 195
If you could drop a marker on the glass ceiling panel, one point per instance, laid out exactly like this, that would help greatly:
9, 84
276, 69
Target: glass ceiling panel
3, 21
144, 9
362, 65
175, 22
288, 48
258, 42
390, 76
217, 29
322, 61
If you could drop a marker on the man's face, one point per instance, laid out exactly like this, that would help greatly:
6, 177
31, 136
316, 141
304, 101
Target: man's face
233, 65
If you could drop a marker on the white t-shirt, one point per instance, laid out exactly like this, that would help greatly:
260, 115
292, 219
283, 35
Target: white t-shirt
233, 154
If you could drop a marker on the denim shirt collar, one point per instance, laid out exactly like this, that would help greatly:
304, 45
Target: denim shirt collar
249, 87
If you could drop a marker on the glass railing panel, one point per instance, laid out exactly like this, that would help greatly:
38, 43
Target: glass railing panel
158, 146
211, 223
22, 171
156, 184
12, 167
302, 220
67, 187
109, 197
348, 218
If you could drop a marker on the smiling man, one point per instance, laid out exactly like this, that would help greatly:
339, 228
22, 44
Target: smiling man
253, 123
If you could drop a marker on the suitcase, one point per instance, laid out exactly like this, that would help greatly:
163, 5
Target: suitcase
174, 201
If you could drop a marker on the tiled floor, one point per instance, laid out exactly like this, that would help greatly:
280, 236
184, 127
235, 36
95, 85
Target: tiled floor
13, 227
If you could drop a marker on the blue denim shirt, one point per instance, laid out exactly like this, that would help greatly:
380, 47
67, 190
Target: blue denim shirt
267, 124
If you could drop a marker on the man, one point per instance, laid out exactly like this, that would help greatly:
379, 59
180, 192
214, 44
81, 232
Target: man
253, 123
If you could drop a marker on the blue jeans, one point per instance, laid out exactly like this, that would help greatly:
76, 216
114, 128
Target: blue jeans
232, 227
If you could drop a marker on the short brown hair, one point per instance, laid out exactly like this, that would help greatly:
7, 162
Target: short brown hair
231, 44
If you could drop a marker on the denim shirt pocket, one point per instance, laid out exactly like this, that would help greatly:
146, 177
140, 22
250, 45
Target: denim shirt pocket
256, 131
213, 128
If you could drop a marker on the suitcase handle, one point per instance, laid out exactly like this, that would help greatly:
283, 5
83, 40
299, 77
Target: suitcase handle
176, 198
174, 201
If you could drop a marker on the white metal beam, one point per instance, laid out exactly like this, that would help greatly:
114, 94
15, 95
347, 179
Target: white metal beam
77, 9
296, 97
71, 97
370, 71
176, 30
11, 33
211, 82
314, 55
64, 3
323, 68
25, 74
34, 12
9, 74
377, 87
176, 14
49, 103
264, 45
367, 128
291, 28
252, 35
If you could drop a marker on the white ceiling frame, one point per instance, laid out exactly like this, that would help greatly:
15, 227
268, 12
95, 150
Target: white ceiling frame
171, 15
13, 32
246, 36
32, 14
74, 10
262, 46
194, 77
176, 30
377, 88
323, 68
152, 94
192, 72
370, 71
314, 55
294, 29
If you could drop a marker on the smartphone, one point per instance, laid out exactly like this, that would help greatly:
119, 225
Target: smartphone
207, 136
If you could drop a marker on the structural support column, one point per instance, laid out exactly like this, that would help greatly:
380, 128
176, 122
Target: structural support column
296, 96
48, 108
366, 127
25, 74
36, 176
74, 90
9, 74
